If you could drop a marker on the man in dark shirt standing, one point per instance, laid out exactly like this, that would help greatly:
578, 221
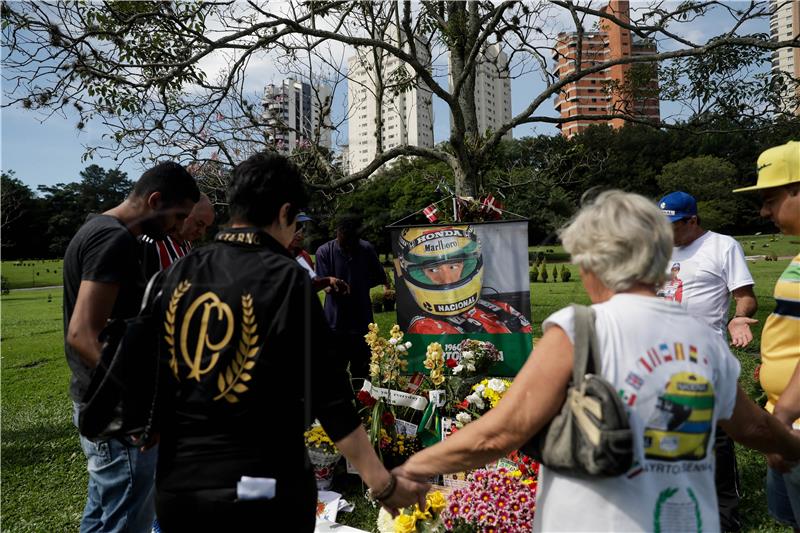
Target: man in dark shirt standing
103, 279
354, 261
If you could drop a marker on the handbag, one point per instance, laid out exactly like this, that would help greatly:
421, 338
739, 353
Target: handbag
120, 400
591, 435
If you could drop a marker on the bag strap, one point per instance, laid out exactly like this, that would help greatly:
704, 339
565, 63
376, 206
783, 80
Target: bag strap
585, 345
150, 284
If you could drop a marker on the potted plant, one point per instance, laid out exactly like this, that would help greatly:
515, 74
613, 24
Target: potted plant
323, 455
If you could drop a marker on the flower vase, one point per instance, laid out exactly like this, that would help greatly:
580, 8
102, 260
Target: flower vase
324, 464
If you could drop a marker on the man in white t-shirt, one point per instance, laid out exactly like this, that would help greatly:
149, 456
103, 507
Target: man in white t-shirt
712, 267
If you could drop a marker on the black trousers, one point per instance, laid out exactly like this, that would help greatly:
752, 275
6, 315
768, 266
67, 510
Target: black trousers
726, 478
354, 351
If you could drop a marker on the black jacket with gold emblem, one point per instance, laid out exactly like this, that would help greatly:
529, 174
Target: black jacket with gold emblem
248, 362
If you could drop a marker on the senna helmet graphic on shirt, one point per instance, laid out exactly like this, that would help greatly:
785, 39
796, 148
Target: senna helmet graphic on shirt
680, 425
442, 268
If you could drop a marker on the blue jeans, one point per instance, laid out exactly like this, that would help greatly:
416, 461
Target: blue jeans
783, 496
121, 487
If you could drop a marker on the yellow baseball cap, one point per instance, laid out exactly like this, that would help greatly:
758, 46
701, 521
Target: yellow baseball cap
777, 166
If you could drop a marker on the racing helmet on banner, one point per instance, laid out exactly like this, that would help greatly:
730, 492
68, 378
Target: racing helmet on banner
442, 268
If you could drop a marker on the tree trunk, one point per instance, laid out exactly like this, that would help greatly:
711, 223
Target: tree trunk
466, 178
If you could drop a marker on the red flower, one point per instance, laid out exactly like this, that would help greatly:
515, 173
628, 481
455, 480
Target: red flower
387, 418
365, 398
463, 405
451, 363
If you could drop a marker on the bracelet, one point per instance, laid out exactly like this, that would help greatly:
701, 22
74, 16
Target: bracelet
385, 492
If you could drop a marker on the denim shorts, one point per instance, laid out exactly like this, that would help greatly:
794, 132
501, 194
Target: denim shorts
783, 496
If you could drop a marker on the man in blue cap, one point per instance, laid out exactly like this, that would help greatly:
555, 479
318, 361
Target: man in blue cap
712, 268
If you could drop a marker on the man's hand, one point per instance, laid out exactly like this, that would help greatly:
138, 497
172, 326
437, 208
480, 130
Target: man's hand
406, 493
776, 462
339, 286
739, 329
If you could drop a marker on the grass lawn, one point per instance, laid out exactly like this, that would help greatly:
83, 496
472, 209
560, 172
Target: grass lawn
43, 471
32, 273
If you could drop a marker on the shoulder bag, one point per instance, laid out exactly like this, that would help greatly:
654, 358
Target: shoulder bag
591, 435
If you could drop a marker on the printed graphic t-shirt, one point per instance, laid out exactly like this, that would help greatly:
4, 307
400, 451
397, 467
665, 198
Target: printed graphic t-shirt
780, 340
702, 275
678, 378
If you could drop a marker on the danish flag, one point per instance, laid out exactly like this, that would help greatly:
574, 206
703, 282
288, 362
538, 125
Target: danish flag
492, 205
430, 213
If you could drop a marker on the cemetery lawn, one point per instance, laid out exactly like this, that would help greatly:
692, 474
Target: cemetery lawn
43, 471
32, 273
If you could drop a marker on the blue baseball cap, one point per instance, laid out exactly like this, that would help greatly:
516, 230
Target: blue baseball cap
302, 217
678, 205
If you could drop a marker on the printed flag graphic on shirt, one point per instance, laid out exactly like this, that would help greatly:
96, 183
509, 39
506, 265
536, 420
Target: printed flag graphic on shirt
430, 213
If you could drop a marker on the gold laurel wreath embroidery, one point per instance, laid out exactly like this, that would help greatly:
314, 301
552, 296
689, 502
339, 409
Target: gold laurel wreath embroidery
230, 383
169, 323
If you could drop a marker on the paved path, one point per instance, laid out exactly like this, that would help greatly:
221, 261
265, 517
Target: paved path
39, 288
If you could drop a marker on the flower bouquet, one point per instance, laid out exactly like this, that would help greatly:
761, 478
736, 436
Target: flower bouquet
492, 501
476, 357
323, 455
459, 373
485, 395
388, 410
412, 519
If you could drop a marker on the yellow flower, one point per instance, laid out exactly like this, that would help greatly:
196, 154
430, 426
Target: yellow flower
436, 501
436, 376
421, 515
405, 523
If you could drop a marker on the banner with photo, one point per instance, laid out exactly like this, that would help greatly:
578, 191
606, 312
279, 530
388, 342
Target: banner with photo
464, 281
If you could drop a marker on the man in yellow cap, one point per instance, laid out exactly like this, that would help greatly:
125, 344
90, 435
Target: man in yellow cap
779, 184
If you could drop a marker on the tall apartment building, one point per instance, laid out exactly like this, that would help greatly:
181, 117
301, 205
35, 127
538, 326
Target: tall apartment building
784, 24
407, 115
292, 111
590, 94
492, 90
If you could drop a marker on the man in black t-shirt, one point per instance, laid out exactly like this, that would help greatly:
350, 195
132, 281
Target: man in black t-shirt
103, 279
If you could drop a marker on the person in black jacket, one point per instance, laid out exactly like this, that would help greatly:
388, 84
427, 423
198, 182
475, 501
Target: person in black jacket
248, 365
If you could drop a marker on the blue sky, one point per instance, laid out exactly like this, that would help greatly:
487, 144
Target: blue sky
50, 152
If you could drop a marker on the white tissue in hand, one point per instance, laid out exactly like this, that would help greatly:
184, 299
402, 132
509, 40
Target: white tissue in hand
255, 488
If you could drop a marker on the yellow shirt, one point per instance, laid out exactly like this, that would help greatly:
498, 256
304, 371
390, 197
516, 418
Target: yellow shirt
780, 340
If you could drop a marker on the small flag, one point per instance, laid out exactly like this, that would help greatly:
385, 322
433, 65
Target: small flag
492, 205
430, 213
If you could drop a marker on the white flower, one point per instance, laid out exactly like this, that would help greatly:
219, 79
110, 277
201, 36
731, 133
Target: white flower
400, 348
385, 522
463, 418
470, 367
480, 388
497, 385
476, 400
392, 341
408, 344
467, 355
457, 369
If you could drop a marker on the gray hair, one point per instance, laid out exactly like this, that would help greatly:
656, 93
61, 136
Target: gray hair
623, 238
